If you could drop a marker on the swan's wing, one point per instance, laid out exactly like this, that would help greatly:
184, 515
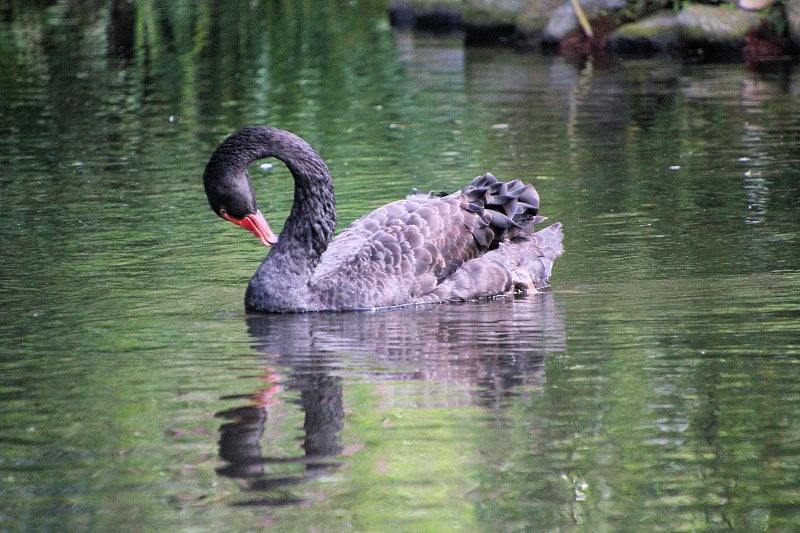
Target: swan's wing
396, 253
411, 248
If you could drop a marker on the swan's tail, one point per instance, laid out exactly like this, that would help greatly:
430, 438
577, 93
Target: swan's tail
523, 264
533, 268
512, 256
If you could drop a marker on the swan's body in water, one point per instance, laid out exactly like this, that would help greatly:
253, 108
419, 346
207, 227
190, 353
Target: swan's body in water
475, 243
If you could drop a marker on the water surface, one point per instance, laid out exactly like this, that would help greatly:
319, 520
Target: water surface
653, 387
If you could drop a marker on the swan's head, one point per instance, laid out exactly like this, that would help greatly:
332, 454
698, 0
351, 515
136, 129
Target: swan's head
234, 201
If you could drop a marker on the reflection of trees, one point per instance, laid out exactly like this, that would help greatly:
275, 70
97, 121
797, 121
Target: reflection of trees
221, 63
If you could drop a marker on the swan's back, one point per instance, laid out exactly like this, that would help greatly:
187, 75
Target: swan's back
474, 243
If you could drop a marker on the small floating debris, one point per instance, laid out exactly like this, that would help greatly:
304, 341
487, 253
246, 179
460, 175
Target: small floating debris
266, 167
500, 127
674, 167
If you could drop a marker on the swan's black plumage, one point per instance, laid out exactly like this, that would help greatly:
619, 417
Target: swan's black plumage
474, 243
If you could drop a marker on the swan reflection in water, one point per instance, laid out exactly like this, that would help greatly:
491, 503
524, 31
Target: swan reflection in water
240, 441
483, 353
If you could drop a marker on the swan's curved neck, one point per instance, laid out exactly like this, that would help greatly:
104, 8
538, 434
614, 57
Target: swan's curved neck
308, 229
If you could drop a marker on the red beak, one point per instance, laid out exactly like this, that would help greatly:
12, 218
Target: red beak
257, 224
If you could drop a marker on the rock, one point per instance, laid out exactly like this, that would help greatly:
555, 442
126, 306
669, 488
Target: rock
655, 33
492, 21
704, 29
754, 5
702, 25
428, 15
696, 27
564, 21
792, 9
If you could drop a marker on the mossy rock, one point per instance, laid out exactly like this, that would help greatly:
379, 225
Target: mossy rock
720, 25
657, 32
523, 15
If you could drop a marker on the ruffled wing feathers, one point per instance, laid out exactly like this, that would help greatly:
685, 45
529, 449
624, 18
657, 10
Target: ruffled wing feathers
474, 243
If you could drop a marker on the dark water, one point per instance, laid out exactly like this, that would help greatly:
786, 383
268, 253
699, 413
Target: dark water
655, 387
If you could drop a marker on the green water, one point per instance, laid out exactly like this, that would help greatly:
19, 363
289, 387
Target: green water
653, 388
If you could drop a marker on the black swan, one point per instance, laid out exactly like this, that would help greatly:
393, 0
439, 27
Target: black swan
475, 243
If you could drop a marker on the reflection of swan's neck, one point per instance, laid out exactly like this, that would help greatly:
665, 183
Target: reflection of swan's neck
285, 272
